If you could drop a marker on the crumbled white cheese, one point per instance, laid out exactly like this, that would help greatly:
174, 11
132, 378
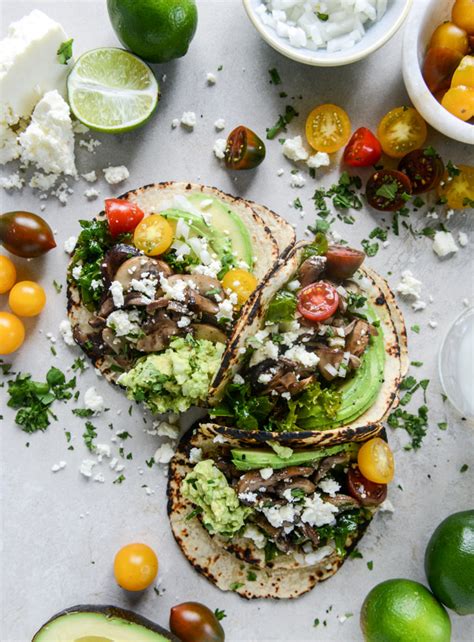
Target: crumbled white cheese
115, 175
280, 172
99, 477
265, 377
294, 149
90, 177
409, 286
297, 180
299, 354
293, 285
13, 181
268, 350
9, 146
174, 123
164, 454
219, 148
211, 79
76, 272
165, 429
55, 468
43, 182
116, 290
195, 455
248, 497
320, 159
188, 119
86, 467
226, 310
219, 125
329, 486
146, 285
91, 194
266, 473
433, 324
90, 144
176, 290
219, 439
238, 380
183, 322
66, 332
256, 535
70, 244
386, 506
102, 450
279, 515
93, 401
463, 239
317, 512
444, 244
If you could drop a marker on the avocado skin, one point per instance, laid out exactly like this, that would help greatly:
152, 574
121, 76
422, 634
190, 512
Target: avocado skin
110, 612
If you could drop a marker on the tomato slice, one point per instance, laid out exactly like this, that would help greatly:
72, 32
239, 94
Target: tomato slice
458, 190
439, 66
240, 281
375, 460
318, 301
328, 128
424, 168
459, 101
464, 74
449, 36
366, 492
153, 235
342, 262
244, 149
123, 216
388, 190
401, 131
363, 149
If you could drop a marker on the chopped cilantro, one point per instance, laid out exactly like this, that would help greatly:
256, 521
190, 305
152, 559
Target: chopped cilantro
378, 233
150, 462
297, 204
416, 364
322, 16
355, 554
370, 249
443, 425
53, 351
120, 479
235, 585
220, 614
370, 565
79, 364
388, 190
251, 576
89, 435
124, 435
316, 622
64, 52
415, 328
468, 202
274, 76
430, 152
57, 286
418, 202
453, 170
282, 122
463, 468
82, 412
194, 513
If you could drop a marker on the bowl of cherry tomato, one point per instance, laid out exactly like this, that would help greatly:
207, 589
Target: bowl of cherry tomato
438, 65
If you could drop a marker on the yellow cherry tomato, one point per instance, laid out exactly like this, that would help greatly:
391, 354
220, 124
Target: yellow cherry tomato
135, 567
401, 131
459, 101
328, 128
464, 74
12, 333
449, 36
375, 461
7, 274
27, 298
241, 282
458, 189
153, 235
463, 15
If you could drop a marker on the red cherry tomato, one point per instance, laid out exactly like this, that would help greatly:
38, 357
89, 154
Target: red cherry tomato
342, 262
439, 67
366, 492
244, 150
387, 190
424, 168
122, 215
363, 149
318, 301
194, 622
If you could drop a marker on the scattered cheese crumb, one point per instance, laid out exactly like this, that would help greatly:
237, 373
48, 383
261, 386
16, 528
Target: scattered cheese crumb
211, 79
219, 148
115, 175
219, 124
174, 123
463, 239
444, 244
294, 150
70, 244
297, 180
188, 119
57, 467
91, 194
164, 454
90, 177
86, 467
66, 332
93, 401
320, 159
13, 181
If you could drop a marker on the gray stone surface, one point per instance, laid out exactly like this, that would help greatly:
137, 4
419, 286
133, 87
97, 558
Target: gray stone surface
60, 531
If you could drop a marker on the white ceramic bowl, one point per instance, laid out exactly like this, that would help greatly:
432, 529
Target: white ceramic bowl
376, 36
425, 16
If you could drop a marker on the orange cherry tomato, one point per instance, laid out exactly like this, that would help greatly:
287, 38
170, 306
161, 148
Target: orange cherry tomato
464, 74
375, 460
12, 333
450, 36
459, 101
328, 128
135, 567
439, 66
153, 235
458, 190
7, 274
27, 299
240, 281
401, 131
462, 15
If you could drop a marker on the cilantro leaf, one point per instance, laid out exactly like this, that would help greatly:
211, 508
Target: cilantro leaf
64, 52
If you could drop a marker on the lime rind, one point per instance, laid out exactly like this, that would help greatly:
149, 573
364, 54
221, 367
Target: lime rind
111, 90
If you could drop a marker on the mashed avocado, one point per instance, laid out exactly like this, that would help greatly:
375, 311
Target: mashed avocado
209, 490
175, 379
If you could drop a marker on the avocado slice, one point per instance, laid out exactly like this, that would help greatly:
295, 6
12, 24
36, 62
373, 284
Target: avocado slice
226, 224
101, 624
251, 459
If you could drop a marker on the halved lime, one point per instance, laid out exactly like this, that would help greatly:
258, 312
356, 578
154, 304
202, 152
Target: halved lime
111, 90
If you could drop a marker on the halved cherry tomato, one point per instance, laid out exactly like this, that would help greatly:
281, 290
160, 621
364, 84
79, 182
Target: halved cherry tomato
123, 216
195, 622
387, 190
458, 190
363, 149
366, 492
459, 101
318, 301
328, 128
244, 149
342, 262
27, 298
153, 235
462, 15
135, 567
12, 333
7, 274
400, 131
26, 234
439, 66
240, 281
449, 36
464, 74
375, 460
424, 168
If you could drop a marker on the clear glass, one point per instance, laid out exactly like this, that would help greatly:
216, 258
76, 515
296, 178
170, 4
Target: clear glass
456, 364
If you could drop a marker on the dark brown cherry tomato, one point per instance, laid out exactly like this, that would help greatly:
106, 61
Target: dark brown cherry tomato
366, 492
424, 168
244, 149
363, 149
387, 190
342, 262
25, 234
318, 301
122, 215
194, 622
439, 66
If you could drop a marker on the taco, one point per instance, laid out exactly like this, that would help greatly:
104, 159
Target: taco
157, 282
322, 348
268, 522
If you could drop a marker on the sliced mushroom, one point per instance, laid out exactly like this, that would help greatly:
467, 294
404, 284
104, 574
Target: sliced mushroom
114, 258
206, 286
160, 338
208, 333
92, 344
106, 308
358, 340
135, 267
311, 533
203, 304
343, 502
116, 344
135, 299
328, 357
277, 535
297, 483
157, 304
252, 481
328, 464
311, 269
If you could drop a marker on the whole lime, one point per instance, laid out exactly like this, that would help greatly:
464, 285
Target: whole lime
403, 611
155, 30
449, 562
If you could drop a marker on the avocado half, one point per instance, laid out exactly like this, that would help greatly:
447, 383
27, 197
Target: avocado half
89, 623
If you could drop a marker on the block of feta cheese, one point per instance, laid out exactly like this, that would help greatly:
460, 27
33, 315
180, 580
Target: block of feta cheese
29, 65
48, 141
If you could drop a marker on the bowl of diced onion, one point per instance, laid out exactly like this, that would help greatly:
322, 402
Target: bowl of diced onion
327, 33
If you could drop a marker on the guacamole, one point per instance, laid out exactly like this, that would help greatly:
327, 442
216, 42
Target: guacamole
177, 378
219, 505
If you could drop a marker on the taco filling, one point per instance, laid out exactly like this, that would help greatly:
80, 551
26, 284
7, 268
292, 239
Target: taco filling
318, 359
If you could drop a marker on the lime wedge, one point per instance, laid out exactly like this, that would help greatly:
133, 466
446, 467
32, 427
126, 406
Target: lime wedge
111, 90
